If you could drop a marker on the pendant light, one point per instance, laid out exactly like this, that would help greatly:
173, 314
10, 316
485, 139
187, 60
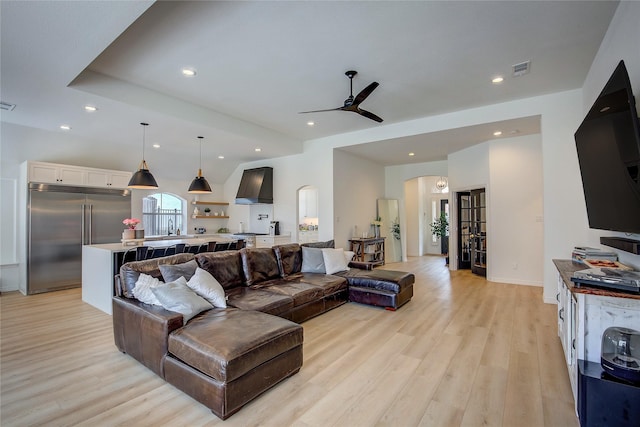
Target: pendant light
442, 183
199, 185
143, 179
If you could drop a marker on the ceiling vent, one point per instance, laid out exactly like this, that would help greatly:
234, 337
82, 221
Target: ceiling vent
7, 107
521, 68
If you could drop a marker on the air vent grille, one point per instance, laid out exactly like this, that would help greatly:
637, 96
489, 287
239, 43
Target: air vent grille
521, 68
7, 106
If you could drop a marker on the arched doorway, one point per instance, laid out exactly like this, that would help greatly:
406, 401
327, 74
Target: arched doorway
425, 201
307, 214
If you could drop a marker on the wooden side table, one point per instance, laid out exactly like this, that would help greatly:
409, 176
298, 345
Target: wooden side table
369, 250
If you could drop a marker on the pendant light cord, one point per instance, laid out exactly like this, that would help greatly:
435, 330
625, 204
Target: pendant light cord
144, 128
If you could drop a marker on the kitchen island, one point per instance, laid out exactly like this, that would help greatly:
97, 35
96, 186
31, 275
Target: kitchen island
100, 263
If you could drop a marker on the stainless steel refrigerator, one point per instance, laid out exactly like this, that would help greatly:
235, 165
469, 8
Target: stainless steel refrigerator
60, 220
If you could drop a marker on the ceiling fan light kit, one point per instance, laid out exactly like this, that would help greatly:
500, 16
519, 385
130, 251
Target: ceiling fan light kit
353, 103
142, 179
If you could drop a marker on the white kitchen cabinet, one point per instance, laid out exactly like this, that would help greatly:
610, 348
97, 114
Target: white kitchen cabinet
307, 236
106, 178
53, 173
309, 203
269, 241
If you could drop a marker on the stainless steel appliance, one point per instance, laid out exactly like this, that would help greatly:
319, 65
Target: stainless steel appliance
274, 228
60, 220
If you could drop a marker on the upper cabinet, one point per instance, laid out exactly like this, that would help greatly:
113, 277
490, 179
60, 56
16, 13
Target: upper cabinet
56, 174
309, 203
113, 179
53, 173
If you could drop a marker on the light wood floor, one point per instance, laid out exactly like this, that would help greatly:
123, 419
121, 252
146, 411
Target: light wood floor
463, 352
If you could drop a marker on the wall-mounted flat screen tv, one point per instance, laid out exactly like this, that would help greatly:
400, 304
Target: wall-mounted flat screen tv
608, 144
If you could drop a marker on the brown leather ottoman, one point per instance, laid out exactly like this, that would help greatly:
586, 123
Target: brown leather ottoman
225, 358
383, 288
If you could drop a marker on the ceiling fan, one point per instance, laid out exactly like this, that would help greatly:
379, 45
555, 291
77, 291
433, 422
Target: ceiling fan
353, 104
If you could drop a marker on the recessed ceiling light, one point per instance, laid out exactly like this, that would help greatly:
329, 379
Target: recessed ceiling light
156, 145
258, 150
65, 127
412, 154
496, 80
497, 133
189, 72
515, 131
311, 123
603, 109
90, 108
221, 157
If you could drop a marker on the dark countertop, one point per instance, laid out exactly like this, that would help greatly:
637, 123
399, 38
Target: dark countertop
567, 267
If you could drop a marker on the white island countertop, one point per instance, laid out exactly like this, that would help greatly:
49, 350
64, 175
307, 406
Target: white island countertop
166, 242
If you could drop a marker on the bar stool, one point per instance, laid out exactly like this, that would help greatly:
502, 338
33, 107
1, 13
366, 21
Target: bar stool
142, 252
175, 249
221, 246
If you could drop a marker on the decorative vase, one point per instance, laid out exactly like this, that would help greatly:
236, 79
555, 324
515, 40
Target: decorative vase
377, 227
139, 234
128, 234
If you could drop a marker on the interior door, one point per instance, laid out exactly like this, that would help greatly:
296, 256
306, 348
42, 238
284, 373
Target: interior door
464, 227
479, 232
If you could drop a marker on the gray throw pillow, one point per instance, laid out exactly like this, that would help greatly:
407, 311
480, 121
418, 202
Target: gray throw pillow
312, 260
177, 296
172, 272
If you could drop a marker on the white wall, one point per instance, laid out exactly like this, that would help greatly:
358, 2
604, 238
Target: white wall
358, 184
313, 167
516, 243
412, 203
620, 42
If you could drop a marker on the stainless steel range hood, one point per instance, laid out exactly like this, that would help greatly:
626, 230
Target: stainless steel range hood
256, 186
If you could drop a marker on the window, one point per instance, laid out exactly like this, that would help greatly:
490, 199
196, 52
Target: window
162, 214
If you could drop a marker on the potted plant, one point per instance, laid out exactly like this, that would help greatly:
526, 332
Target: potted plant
440, 228
207, 211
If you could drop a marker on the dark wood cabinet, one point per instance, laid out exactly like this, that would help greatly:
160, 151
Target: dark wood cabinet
368, 250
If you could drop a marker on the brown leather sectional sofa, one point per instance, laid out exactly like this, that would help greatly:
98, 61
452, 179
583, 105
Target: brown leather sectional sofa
225, 357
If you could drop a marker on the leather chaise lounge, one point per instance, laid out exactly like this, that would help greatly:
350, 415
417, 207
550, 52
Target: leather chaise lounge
225, 357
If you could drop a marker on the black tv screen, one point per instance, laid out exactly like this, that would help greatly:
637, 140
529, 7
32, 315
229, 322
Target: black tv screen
608, 144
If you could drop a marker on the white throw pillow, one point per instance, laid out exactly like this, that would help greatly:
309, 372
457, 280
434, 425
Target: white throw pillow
177, 296
334, 260
205, 285
348, 255
142, 289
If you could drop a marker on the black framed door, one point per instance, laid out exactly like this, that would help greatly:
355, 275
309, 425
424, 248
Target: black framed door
444, 242
464, 227
479, 232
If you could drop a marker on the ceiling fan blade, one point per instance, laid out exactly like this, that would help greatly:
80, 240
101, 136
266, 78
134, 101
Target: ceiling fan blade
320, 111
369, 115
364, 93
